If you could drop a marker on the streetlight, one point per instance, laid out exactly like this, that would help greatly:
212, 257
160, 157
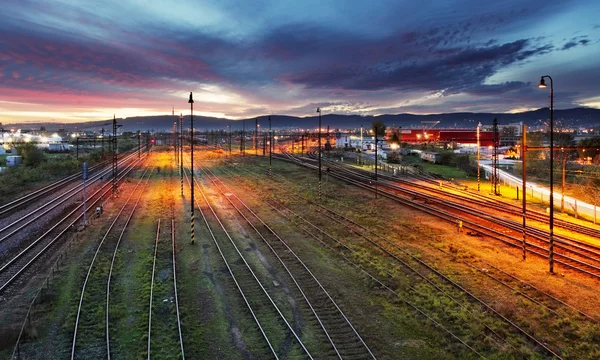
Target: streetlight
270, 148
478, 159
191, 102
376, 130
542, 85
181, 151
319, 111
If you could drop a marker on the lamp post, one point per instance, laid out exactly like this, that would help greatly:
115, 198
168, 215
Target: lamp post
376, 130
191, 102
270, 148
230, 134
181, 151
524, 184
478, 159
319, 111
542, 85
562, 192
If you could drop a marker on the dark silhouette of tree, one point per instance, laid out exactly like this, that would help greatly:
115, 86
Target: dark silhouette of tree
592, 150
379, 127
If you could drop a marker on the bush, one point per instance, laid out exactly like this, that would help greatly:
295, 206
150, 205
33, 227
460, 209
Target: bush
32, 156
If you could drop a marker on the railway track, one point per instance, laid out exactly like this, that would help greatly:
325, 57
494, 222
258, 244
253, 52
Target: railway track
95, 343
409, 262
472, 198
57, 203
66, 184
165, 292
48, 189
570, 253
19, 264
281, 339
343, 337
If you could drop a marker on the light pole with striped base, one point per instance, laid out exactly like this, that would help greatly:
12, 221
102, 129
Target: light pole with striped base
191, 102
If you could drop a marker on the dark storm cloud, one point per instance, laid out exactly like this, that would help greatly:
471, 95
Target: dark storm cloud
392, 65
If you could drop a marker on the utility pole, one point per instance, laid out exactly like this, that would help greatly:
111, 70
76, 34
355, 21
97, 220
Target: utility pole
319, 111
562, 192
102, 143
191, 102
524, 184
270, 148
175, 142
256, 137
115, 185
478, 158
302, 153
85, 177
77, 148
139, 136
243, 140
376, 162
181, 151
230, 140
495, 157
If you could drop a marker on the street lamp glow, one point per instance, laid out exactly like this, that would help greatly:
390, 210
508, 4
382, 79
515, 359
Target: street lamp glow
542, 84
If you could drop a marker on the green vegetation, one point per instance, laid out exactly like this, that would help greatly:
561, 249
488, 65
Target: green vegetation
454, 166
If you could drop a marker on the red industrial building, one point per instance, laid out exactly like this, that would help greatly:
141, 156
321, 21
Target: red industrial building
462, 136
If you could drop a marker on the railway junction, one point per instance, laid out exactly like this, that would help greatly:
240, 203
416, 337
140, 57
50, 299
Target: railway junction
284, 266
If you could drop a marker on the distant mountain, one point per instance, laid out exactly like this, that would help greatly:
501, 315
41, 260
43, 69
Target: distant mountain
568, 118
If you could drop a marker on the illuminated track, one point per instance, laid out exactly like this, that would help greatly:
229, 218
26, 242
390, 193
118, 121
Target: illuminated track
260, 304
18, 265
341, 334
87, 319
419, 268
161, 292
50, 188
70, 193
571, 253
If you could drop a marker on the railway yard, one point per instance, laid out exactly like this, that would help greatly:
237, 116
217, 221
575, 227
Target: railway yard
280, 270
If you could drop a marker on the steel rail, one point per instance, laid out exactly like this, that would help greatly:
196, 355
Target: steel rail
52, 242
175, 287
288, 325
94, 259
152, 287
69, 194
238, 286
207, 171
112, 263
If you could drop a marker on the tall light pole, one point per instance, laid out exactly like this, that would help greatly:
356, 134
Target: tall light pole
478, 158
542, 85
562, 192
229, 126
191, 102
376, 130
524, 184
270, 148
181, 151
319, 111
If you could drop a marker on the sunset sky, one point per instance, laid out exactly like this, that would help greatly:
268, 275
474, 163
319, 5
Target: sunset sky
67, 60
